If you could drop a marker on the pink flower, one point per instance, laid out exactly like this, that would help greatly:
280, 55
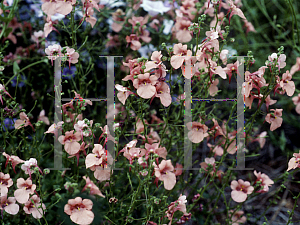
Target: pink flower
37, 37
112, 41
2, 90
296, 101
70, 141
119, 20
178, 169
123, 93
294, 161
237, 217
48, 27
269, 102
83, 128
154, 149
145, 85
197, 131
29, 165
273, 58
261, 138
218, 150
94, 190
165, 172
178, 205
80, 210
44, 118
15, 160
5, 183
265, 181
49, 7
286, 83
235, 11
249, 26
240, 190
274, 119
181, 29
215, 69
295, 67
24, 189
82, 149
9, 205
133, 153
23, 121
213, 88
36, 209
163, 93
183, 55
72, 56
53, 52
134, 42
99, 161
65, 6
54, 128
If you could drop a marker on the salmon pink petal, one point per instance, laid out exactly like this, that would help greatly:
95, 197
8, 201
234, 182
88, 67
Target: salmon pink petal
82, 217
21, 195
238, 196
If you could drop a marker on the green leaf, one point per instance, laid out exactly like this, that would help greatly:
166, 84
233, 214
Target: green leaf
5, 19
282, 141
7, 31
16, 67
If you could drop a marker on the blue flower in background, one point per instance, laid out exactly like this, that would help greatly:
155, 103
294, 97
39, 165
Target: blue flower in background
68, 73
24, 13
21, 81
9, 124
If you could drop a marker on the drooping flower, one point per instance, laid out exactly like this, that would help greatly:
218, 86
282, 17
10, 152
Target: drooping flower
23, 121
237, 217
178, 205
43, 118
35, 208
3, 91
94, 190
294, 161
72, 56
240, 190
80, 211
123, 93
54, 128
265, 181
296, 67
296, 101
165, 172
15, 160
